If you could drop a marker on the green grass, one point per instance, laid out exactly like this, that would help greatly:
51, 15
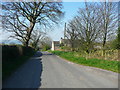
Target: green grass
99, 63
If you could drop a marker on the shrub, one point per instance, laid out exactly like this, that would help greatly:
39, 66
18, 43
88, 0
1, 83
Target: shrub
13, 56
14, 51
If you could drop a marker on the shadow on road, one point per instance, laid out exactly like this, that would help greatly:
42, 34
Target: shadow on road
47, 53
28, 75
38, 69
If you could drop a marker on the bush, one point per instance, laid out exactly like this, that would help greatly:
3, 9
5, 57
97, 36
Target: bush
14, 51
46, 47
14, 56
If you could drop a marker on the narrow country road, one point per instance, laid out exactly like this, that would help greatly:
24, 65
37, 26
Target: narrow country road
59, 73
51, 71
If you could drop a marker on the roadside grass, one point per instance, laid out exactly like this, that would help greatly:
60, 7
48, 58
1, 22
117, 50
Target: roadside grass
99, 63
10, 62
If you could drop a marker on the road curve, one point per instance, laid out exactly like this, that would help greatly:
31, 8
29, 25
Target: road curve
59, 73
51, 71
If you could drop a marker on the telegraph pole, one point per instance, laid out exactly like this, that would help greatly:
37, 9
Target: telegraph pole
65, 31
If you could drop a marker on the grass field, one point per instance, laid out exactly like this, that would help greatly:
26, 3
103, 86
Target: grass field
99, 63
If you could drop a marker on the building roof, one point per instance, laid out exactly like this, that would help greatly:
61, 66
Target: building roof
56, 42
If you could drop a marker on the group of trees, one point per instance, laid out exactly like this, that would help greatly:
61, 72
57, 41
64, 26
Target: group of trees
95, 23
22, 19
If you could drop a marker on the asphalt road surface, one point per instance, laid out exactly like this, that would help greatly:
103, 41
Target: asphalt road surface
51, 71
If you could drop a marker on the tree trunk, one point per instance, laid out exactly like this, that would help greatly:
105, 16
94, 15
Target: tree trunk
32, 24
27, 43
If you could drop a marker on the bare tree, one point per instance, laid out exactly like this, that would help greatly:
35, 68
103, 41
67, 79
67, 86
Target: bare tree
45, 43
88, 26
71, 34
94, 22
36, 38
21, 17
109, 15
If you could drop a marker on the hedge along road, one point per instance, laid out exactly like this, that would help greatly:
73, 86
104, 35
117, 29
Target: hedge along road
51, 71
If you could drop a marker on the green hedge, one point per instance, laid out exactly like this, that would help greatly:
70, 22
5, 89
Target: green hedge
14, 56
14, 51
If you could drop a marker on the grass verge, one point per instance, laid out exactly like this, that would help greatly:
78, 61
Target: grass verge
99, 63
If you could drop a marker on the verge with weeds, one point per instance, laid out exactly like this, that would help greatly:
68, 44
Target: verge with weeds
99, 63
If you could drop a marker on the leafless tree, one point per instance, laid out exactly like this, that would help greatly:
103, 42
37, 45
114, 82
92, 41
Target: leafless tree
45, 43
36, 38
86, 26
109, 15
71, 34
94, 23
21, 17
